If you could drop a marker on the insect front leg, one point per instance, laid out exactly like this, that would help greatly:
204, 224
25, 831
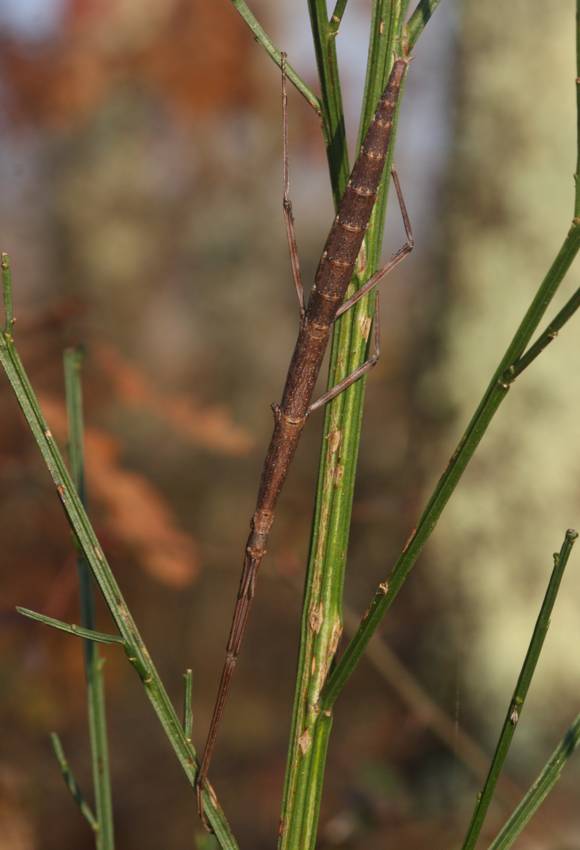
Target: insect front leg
286, 202
397, 257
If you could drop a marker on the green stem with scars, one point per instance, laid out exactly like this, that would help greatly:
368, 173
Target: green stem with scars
105, 836
322, 608
547, 336
516, 703
134, 646
495, 393
540, 789
336, 17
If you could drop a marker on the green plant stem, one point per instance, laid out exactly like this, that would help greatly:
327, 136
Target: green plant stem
72, 784
105, 836
547, 336
322, 608
187, 704
266, 42
7, 293
520, 693
336, 17
539, 790
418, 21
496, 392
70, 628
135, 648
331, 98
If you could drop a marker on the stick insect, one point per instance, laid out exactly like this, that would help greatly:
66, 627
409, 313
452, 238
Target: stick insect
326, 303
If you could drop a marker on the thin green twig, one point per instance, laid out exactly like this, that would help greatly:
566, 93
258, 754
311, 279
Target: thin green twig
495, 393
266, 42
322, 608
539, 790
135, 648
331, 98
105, 837
417, 22
520, 693
72, 784
187, 704
7, 293
70, 628
546, 337
336, 17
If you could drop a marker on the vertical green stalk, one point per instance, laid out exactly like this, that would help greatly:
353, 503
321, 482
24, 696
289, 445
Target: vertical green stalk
322, 608
520, 693
493, 396
104, 834
324, 34
7, 294
135, 648
540, 789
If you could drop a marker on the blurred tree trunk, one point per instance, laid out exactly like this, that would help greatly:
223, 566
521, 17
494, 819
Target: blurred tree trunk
511, 203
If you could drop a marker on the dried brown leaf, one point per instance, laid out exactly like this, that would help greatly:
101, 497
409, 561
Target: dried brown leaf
209, 426
135, 512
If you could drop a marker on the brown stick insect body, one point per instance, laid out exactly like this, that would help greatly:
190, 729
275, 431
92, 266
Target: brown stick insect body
334, 273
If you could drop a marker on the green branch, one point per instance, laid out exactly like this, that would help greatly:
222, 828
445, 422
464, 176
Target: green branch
105, 837
7, 293
546, 337
516, 704
135, 648
266, 42
331, 98
322, 608
540, 789
187, 704
417, 22
336, 17
495, 393
70, 628
72, 784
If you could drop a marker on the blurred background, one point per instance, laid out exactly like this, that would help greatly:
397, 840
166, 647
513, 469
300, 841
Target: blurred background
140, 168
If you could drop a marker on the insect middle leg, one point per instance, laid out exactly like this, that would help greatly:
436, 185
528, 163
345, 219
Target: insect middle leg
360, 370
397, 257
